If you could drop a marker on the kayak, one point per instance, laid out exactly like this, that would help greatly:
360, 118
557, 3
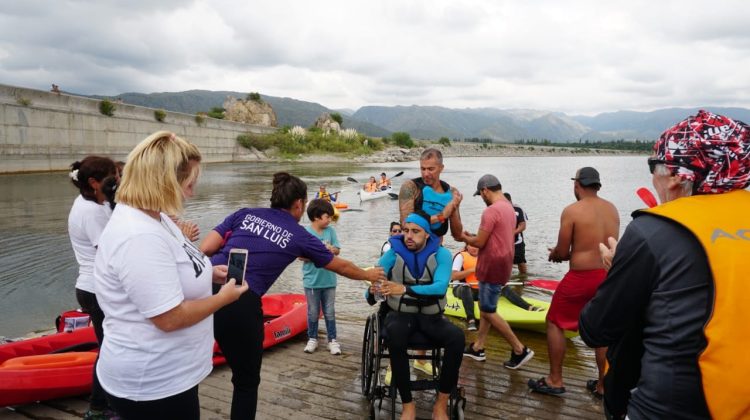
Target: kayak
515, 316
61, 364
367, 196
340, 205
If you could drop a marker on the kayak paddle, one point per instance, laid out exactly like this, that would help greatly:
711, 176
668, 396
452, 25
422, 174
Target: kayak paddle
393, 196
350, 179
647, 197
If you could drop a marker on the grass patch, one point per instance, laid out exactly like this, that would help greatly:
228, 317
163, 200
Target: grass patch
291, 144
159, 115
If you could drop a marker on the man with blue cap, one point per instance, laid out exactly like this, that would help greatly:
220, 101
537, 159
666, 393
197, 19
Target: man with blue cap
419, 270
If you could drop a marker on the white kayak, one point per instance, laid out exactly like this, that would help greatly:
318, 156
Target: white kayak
367, 196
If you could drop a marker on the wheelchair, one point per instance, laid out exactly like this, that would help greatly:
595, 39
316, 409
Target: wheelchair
375, 349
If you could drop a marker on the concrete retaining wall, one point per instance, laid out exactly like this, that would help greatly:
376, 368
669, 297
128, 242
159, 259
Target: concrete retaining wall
45, 131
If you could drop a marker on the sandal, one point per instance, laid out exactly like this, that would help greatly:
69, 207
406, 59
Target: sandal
540, 386
591, 386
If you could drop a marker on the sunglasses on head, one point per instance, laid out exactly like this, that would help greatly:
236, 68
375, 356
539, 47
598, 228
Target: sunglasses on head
652, 162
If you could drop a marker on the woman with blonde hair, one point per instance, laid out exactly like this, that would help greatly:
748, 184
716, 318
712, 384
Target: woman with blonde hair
154, 287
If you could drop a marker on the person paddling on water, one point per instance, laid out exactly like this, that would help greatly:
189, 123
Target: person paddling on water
274, 239
384, 182
419, 271
324, 195
674, 307
371, 185
583, 225
433, 196
494, 265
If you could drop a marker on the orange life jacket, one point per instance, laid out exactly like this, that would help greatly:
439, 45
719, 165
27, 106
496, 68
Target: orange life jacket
371, 187
469, 263
721, 223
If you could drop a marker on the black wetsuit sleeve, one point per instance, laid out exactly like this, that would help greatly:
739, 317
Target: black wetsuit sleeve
621, 300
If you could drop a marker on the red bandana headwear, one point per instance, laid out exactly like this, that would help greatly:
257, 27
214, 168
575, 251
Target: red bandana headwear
712, 151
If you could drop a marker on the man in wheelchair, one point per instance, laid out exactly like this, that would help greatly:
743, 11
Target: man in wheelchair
419, 271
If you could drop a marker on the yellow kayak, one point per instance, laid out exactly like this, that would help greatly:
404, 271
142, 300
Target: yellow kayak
517, 317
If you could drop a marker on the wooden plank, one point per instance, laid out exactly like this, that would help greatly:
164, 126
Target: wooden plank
296, 385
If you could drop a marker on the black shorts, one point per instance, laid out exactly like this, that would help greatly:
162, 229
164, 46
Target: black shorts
520, 255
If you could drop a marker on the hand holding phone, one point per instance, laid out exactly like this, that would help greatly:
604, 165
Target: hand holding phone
237, 265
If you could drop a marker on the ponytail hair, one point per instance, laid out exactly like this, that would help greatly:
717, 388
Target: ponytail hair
287, 189
97, 167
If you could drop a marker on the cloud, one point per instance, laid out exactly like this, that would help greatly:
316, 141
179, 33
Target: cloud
577, 57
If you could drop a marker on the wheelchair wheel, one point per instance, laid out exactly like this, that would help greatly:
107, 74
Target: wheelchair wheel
367, 357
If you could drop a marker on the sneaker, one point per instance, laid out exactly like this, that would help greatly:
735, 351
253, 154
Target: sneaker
423, 366
334, 347
518, 360
101, 415
312, 345
475, 354
388, 375
471, 325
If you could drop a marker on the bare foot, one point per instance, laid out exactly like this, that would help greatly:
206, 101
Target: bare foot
440, 412
409, 411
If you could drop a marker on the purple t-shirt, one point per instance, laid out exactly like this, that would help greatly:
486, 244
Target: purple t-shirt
273, 239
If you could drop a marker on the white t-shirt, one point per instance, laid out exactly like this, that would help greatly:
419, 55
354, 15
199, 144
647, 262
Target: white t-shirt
458, 262
86, 222
144, 268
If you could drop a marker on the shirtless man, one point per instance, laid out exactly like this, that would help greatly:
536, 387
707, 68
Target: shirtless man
435, 197
583, 225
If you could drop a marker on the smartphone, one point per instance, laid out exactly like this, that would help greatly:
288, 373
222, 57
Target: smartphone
237, 265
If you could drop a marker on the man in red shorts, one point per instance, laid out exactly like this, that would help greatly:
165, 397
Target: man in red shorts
583, 225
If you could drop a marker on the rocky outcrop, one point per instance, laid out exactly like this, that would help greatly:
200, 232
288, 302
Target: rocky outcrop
249, 112
327, 124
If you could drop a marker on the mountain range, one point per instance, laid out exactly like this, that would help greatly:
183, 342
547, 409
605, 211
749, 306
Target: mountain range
433, 122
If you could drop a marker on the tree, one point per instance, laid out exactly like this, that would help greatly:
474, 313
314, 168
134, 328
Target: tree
402, 139
445, 141
338, 118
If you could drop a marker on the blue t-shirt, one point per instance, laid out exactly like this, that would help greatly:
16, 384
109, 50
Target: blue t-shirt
273, 239
318, 278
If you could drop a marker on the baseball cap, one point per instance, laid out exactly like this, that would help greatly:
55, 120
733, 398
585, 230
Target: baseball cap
587, 176
486, 181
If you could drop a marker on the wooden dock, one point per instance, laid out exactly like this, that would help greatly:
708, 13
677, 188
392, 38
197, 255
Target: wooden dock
296, 385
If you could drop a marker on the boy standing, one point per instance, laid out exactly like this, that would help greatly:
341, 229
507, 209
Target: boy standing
319, 283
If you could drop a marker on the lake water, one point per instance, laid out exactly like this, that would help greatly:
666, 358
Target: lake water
38, 269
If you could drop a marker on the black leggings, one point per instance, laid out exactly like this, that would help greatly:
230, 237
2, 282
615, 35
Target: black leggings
238, 328
468, 296
90, 305
400, 326
183, 406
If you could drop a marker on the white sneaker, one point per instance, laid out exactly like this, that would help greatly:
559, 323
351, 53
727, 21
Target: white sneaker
312, 345
334, 347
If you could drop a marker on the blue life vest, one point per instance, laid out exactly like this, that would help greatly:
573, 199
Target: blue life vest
412, 269
433, 202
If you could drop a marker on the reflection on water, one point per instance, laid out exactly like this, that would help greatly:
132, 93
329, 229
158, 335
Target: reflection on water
38, 269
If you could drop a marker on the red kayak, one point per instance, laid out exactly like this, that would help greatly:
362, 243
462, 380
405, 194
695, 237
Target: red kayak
543, 284
60, 365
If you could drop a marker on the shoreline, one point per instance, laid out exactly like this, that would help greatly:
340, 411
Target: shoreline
398, 154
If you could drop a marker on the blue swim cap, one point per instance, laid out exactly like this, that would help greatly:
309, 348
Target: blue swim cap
419, 220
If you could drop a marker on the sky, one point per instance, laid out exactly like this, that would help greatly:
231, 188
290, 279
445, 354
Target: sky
577, 57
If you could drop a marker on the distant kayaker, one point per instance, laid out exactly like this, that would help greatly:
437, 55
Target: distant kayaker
323, 194
384, 183
433, 196
86, 221
274, 239
583, 225
371, 185
494, 265
674, 307
519, 256
419, 269
154, 287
